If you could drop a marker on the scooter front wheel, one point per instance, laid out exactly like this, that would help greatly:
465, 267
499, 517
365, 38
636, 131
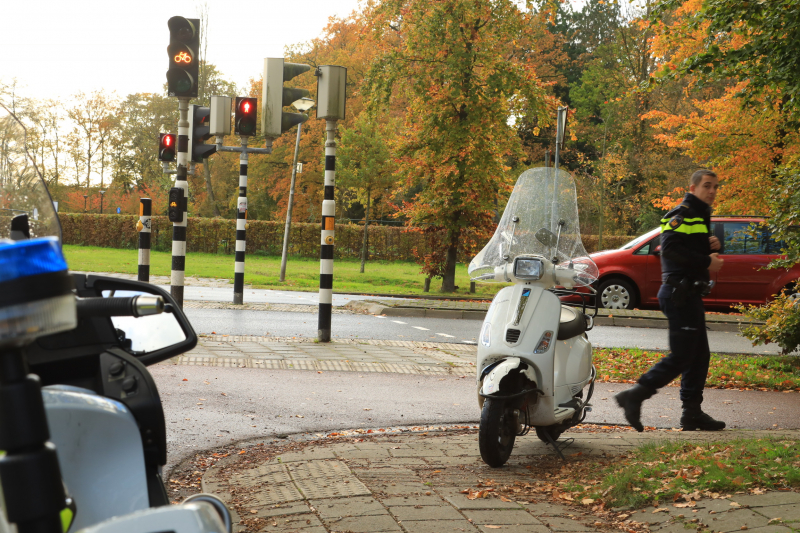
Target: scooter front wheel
497, 432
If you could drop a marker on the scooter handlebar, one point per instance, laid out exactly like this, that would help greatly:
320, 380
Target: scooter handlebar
136, 306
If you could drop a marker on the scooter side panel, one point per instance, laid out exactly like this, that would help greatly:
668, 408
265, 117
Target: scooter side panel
100, 453
573, 362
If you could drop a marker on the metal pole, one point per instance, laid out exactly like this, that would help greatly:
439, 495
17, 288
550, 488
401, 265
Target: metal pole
289, 207
145, 212
179, 228
326, 248
101, 203
241, 225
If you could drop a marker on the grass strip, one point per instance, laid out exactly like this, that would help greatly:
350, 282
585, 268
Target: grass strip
682, 472
263, 272
748, 372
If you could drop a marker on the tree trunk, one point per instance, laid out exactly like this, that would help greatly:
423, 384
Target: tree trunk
365, 242
449, 278
207, 172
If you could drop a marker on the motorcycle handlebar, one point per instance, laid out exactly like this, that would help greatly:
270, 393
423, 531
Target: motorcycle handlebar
136, 306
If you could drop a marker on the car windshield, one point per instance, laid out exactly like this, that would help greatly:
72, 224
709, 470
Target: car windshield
639, 240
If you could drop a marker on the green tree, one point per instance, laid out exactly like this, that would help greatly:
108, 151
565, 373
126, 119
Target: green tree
365, 166
462, 69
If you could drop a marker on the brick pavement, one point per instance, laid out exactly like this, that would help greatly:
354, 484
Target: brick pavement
413, 483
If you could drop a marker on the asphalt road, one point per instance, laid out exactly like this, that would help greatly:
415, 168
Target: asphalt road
285, 324
215, 406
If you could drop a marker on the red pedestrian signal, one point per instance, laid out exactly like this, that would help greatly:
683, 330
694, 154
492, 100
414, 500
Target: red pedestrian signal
245, 116
166, 147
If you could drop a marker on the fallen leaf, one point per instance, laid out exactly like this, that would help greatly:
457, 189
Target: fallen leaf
493, 527
587, 501
661, 510
184, 379
734, 504
367, 409
242, 452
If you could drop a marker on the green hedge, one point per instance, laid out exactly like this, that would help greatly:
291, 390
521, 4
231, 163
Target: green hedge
218, 235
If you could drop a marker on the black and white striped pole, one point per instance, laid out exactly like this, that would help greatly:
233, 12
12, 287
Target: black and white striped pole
144, 227
176, 210
245, 125
241, 229
331, 99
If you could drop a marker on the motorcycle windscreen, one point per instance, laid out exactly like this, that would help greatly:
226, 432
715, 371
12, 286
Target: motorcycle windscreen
541, 218
22, 189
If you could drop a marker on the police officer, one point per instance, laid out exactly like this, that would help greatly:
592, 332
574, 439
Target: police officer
688, 254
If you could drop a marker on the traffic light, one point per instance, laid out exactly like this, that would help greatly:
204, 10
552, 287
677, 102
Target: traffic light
245, 116
199, 131
175, 208
166, 147
183, 49
275, 96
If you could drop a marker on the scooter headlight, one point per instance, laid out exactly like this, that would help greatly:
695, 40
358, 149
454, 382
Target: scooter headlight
527, 268
486, 333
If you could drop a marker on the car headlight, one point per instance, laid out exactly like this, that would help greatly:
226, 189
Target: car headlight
528, 269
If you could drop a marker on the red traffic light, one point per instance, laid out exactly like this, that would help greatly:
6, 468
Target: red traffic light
245, 116
166, 147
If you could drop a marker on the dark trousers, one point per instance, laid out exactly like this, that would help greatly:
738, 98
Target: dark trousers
689, 354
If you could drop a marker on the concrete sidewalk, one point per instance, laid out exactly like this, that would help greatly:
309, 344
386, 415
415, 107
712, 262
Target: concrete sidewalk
432, 482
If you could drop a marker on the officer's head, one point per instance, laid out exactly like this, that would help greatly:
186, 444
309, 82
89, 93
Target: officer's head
704, 184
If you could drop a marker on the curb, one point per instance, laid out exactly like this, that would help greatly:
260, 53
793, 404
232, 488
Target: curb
375, 308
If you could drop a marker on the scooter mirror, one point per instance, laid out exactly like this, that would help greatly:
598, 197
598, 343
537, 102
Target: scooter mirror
546, 237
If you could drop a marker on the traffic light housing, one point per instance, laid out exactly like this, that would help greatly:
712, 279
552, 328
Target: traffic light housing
246, 112
184, 61
166, 147
199, 131
176, 203
275, 96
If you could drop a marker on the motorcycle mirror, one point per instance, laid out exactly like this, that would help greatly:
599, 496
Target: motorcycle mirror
546, 237
144, 335
151, 339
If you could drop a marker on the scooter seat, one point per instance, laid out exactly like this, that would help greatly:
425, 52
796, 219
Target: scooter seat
571, 324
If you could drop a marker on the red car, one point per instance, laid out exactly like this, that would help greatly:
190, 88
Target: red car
631, 276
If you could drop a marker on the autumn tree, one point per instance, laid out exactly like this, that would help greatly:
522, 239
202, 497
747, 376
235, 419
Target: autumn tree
460, 66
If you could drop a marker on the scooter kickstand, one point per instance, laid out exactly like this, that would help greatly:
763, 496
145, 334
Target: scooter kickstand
558, 447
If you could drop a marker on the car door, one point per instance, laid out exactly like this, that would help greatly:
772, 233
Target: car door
652, 283
742, 278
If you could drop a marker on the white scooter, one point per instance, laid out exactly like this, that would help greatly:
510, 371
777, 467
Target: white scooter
534, 358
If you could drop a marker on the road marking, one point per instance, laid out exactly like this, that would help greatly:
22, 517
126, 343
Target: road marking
398, 322
446, 335
419, 327
379, 316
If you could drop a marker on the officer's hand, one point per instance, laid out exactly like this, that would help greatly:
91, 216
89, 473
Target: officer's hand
716, 263
714, 242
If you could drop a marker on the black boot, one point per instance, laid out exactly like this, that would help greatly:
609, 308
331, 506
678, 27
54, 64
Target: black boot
631, 401
694, 418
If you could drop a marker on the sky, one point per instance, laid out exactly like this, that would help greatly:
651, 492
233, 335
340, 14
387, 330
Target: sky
56, 48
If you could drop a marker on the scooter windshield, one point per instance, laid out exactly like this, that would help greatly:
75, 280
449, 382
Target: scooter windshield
23, 192
541, 217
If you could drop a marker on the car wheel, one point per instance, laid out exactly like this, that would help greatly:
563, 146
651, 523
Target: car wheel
616, 294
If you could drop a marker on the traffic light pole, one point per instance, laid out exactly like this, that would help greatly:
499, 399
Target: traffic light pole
241, 227
145, 213
326, 248
179, 228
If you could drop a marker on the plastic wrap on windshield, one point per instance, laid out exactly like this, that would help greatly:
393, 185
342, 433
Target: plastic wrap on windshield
22, 191
542, 199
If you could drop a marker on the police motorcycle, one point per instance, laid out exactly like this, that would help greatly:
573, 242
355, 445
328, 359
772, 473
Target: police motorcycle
82, 429
534, 360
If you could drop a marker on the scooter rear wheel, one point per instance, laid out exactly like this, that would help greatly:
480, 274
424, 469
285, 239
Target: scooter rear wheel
497, 432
